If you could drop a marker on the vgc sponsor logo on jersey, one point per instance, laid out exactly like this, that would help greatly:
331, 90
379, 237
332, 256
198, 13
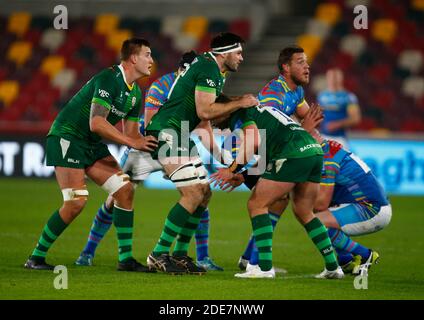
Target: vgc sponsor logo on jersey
210, 83
103, 93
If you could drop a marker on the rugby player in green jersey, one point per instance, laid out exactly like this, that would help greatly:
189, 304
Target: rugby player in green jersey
190, 101
75, 149
294, 162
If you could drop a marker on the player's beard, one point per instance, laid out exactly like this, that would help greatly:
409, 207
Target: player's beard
299, 82
230, 67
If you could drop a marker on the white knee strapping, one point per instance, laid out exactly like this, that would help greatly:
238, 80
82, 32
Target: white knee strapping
70, 194
116, 182
201, 171
185, 175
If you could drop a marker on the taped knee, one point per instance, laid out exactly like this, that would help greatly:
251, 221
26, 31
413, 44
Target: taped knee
71, 194
185, 175
202, 173
116, 182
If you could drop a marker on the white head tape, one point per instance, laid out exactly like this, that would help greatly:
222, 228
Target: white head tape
227, 49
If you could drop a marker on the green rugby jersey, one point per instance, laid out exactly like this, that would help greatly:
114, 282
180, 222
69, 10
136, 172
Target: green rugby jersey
284, 137
107, 88
204, 75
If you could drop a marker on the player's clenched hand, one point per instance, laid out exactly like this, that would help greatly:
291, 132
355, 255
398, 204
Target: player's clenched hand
221, 177
313, 118
233, 183
248, 100
148, 143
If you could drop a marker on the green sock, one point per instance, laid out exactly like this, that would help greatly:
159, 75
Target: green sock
52, 230
174, 223
318, 233
262, 231
184, 237
124, 222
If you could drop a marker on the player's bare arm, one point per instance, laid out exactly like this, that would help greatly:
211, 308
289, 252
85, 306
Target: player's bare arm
132, 130
208, 109
100, 125
148, 115
205, 133
250, 141
353, 118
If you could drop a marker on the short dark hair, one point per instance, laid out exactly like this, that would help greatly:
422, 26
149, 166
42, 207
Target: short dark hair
286, 55
225, 39
132, 46
187, 58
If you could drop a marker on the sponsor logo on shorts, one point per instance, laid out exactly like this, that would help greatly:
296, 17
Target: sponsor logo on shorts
73, 161
279, 164
309, 146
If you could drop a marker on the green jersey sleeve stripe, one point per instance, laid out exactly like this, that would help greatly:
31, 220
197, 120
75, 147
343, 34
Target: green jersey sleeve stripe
136, 119
247, 123
206, 89
101, 102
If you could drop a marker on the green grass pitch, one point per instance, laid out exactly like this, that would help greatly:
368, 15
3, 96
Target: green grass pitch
26, 205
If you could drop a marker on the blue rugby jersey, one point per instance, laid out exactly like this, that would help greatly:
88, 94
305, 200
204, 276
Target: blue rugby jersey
157, 94
277, 94
335, 105
352, 179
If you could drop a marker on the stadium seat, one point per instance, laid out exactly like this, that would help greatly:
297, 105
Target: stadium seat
33, 36
106, 23
379, 72
19, 52
317, 28
53, 39
354, 3
413, 87
218, 26
195, 27
353, 44
184, 42
418, 4
41, 23
172, 25
151, 25
52, 65
311, 44
329, 13
19, 23
383, 99
64, 80
384, 30
116, 37
241, 27
411, 60
9, 90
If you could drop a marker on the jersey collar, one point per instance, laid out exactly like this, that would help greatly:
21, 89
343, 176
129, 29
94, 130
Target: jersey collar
224, 74
282, 81
130, 87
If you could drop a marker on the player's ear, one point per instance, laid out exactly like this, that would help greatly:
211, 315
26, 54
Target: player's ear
133, 58
286, 67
